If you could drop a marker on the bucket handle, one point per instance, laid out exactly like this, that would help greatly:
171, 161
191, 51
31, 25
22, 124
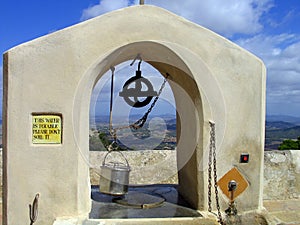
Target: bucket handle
103, 163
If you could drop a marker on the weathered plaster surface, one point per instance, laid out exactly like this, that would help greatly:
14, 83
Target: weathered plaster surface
282, 175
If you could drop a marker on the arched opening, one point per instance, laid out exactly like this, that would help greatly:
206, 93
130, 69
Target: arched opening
189, 115
151, 149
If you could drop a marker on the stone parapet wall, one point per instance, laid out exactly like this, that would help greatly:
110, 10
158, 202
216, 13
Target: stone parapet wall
147, 167
281, 170
282, 175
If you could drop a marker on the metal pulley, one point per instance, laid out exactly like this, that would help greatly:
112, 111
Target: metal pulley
137, 90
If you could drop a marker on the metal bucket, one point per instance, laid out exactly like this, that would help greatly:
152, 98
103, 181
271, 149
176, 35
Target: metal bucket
114, 176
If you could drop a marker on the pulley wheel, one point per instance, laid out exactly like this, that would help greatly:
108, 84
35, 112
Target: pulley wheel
132, 92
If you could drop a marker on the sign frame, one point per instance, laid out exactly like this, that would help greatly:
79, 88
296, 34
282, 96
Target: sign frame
46, 128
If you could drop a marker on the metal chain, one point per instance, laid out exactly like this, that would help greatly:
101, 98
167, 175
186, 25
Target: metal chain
210, 168
140, 122
212, 159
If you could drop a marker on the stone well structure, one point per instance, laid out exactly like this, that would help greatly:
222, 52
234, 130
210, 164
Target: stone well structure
47, 90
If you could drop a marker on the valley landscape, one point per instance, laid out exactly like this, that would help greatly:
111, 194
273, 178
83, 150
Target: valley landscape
278, 128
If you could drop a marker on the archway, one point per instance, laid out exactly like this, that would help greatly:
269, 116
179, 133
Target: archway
150, 149
188, 105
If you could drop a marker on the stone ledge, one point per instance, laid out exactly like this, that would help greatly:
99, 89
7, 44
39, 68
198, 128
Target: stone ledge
148, 166
281, 170
146, 221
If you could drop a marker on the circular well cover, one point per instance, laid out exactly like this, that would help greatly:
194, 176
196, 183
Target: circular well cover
139, 200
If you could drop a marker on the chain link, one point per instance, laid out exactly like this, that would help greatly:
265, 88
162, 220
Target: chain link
140, 123
210, 169
212, 159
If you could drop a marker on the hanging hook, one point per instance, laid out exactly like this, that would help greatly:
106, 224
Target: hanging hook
211, 122
138, 56
112, 68
139, 65
33, 209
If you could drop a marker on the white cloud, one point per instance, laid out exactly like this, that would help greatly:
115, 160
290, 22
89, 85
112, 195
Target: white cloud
281, 56
232, 17
225, 17
104, 6
267, 46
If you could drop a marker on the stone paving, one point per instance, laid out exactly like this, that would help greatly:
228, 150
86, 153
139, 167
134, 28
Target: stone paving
283, 212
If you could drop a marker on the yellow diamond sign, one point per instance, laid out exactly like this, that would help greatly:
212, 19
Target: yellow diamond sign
233, 174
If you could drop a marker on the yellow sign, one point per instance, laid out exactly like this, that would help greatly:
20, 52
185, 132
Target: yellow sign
46, 129
233, 174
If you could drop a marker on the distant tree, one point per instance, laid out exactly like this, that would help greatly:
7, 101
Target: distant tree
96, 144
290, 144
104, 139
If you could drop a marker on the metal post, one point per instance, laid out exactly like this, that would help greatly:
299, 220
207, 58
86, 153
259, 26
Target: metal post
231, 211
142, 2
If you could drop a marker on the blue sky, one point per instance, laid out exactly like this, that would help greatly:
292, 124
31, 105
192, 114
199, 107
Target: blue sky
268, 28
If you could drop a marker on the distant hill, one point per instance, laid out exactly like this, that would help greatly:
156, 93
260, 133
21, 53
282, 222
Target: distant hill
286, 133
132, 118
283, 118
275, 125
277, 131
278, 127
